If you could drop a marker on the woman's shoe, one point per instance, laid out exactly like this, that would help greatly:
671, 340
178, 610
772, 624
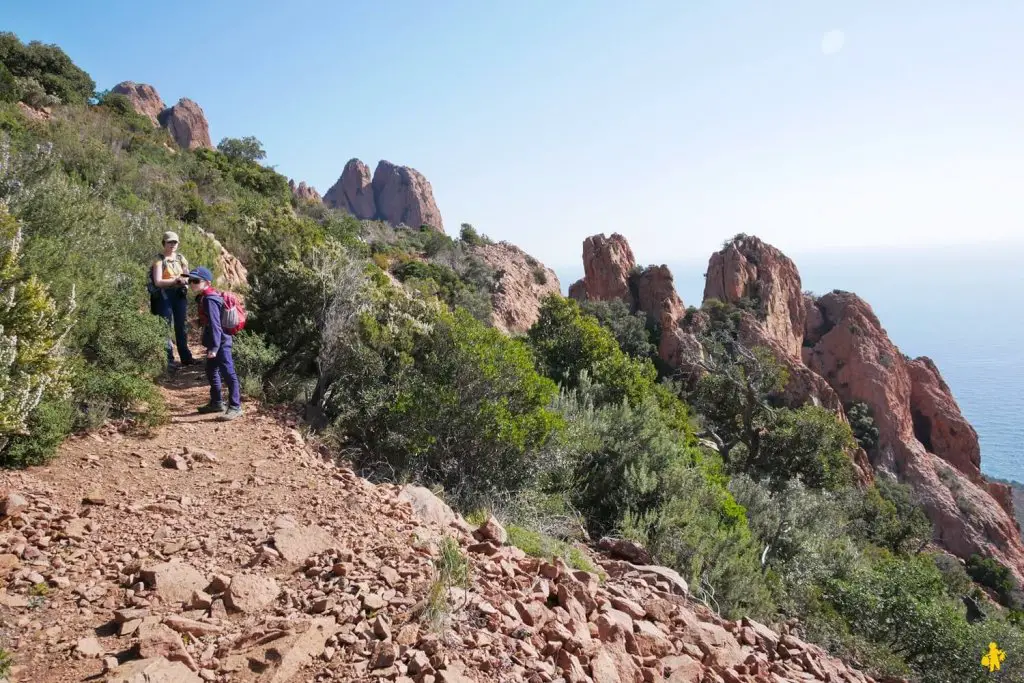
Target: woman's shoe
211, 408
231, 414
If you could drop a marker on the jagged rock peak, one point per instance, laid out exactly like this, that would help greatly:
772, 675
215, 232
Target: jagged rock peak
143, 97
522, 284
404, 197
304, 192
607, 263
750, 270
187, 124
354, 191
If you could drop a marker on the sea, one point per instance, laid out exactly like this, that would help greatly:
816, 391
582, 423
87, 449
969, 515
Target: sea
961, 306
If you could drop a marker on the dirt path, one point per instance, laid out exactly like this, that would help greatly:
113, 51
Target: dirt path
215, 551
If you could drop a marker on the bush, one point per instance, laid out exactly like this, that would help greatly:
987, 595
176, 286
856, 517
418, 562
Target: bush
567, 343
629, 329
994, 575
32, 331
48, 66
254, 358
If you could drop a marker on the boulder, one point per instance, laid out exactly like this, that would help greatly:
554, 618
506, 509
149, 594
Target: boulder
174, 582
426, 506
295, 544
144, 99
249, 593
153, 670
186, 123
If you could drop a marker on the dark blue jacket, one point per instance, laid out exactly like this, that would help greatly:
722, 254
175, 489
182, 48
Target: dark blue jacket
214, 336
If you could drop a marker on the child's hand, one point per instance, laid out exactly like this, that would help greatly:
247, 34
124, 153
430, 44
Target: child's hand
211, 356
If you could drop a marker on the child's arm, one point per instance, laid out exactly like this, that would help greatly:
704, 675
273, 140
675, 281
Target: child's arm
216, 332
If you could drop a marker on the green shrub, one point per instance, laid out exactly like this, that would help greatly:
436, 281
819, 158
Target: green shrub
52, 420
32, 331
47, 65
629, 329
536, 544
993, 574
254, 358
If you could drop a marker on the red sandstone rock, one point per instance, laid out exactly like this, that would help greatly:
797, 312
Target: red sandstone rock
144, 98
304, 192
748, 268
852, 351
187, 124
404, 197
354, 191
938, 422
522, 284
607, 263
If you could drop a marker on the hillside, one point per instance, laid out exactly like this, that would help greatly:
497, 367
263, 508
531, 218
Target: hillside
236, 552
770, 451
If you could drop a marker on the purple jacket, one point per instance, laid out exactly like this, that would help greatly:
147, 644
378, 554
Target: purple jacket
214, 336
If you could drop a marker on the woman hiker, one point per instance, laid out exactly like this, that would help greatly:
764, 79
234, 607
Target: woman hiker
168, 296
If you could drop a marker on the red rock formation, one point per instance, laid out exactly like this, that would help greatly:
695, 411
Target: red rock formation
607, 262
187, 124
656, 296
304, 192
749, 268
354, 191
852, 351
233, 275
404, 197
144, 99
522, 284
938, 422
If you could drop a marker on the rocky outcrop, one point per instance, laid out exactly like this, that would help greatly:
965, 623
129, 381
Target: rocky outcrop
404, 197
607, 264
187, 124
938, 423
144, 99
655, 294
749, 269
233, 275
522, 283
610, 273
354, 191
304, 192
916, 416
396, 194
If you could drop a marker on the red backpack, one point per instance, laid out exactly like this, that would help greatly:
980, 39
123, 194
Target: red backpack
232, 315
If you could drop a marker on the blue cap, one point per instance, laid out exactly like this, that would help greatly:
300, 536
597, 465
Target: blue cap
203, 273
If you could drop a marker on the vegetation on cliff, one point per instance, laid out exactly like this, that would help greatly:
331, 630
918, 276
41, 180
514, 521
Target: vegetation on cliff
567, 430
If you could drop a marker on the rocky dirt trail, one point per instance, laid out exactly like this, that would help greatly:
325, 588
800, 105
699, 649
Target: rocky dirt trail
233, 552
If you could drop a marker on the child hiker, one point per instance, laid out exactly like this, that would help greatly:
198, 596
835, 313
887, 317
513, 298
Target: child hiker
219, 363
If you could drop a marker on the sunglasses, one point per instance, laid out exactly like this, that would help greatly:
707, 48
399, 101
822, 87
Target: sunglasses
171, 242
194, 281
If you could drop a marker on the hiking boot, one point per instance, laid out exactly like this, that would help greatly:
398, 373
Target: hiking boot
211, 408
231, 414
189, 361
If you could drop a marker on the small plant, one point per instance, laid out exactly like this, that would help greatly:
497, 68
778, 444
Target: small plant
886, 360
452, 571
6, 662
536, 544
539, 276
40, 590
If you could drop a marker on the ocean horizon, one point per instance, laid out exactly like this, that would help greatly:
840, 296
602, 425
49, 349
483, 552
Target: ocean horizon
960, 306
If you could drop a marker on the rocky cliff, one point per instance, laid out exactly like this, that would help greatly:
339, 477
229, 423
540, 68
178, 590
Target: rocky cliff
399, 195
185, 121
304, 192
144, 98
187, 124
522, 283
836, 353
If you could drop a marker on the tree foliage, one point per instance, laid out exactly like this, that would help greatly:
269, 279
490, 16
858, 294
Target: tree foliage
45, 66
242, 149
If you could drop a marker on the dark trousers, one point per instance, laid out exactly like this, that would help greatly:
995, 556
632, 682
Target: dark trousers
173, 306
223, 368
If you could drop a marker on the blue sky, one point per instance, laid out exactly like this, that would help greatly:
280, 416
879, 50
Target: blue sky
675, 123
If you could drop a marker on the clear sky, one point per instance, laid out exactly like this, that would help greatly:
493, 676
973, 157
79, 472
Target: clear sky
813, 124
